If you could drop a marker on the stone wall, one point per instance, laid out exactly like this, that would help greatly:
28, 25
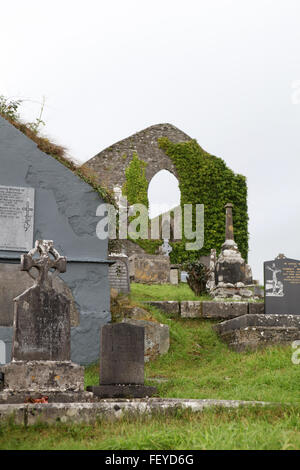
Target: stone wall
150, 269
110, 164
65, 212
214, 310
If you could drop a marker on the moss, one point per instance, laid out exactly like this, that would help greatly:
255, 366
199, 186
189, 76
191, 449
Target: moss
58, 152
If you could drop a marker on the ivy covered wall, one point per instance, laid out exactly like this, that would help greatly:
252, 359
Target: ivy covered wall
206, 179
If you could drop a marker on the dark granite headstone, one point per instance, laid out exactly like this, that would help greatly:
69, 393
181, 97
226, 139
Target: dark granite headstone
122, 354
122, 363
282, 286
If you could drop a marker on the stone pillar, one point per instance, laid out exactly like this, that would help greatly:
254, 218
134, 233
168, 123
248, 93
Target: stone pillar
229, 222
232, 274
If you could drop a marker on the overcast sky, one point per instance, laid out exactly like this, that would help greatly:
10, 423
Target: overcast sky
226, 72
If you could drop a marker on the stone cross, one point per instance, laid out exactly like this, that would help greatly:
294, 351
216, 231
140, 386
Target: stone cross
41, 314
43, 264
166, 248
229, 222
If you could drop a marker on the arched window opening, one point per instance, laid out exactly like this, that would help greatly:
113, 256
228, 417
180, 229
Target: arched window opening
163, 193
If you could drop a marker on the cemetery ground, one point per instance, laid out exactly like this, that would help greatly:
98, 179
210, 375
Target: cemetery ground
198, 365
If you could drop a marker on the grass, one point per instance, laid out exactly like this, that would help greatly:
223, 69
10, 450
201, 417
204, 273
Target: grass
244, 428
182, 291
198, 365
144, 292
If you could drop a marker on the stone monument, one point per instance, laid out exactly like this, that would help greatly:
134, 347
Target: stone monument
122, 363
41, 338
282, 286
232, 274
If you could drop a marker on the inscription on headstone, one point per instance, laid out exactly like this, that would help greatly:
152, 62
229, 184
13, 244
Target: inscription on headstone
282, 286
16, 218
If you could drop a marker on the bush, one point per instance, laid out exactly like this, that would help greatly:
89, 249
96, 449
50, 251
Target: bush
197, 276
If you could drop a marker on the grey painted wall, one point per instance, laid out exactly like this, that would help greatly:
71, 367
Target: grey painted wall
65, 208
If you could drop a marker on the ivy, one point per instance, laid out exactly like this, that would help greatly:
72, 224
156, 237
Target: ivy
205, 179
136, 184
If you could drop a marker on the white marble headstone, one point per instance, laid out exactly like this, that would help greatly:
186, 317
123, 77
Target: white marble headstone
16, 218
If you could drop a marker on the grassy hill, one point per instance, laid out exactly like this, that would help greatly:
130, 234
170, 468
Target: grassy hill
198, 365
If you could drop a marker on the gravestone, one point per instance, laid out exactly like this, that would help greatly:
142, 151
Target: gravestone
282, 286
42, 316
119, 273
174, 275
122, 362
41, 339
2, 352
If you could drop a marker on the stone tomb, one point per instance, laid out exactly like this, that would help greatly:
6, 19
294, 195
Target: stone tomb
282, 286
122, 363
41, 338
250, 332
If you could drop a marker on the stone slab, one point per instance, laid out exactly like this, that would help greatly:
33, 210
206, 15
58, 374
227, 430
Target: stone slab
251, 332
122, 354
224, 310
110, 409
170, 307
191, 309
43, 376
16, 218
122, 391
9, 397
256, 308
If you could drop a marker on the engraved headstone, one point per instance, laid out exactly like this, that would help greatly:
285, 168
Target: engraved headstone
122, 362
282, 286
42, 315
41, 339
16, 218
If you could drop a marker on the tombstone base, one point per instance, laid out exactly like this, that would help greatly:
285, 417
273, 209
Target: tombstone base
9, 397
122, 391
43, 376
236, 291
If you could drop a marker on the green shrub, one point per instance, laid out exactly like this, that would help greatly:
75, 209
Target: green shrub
197, 276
